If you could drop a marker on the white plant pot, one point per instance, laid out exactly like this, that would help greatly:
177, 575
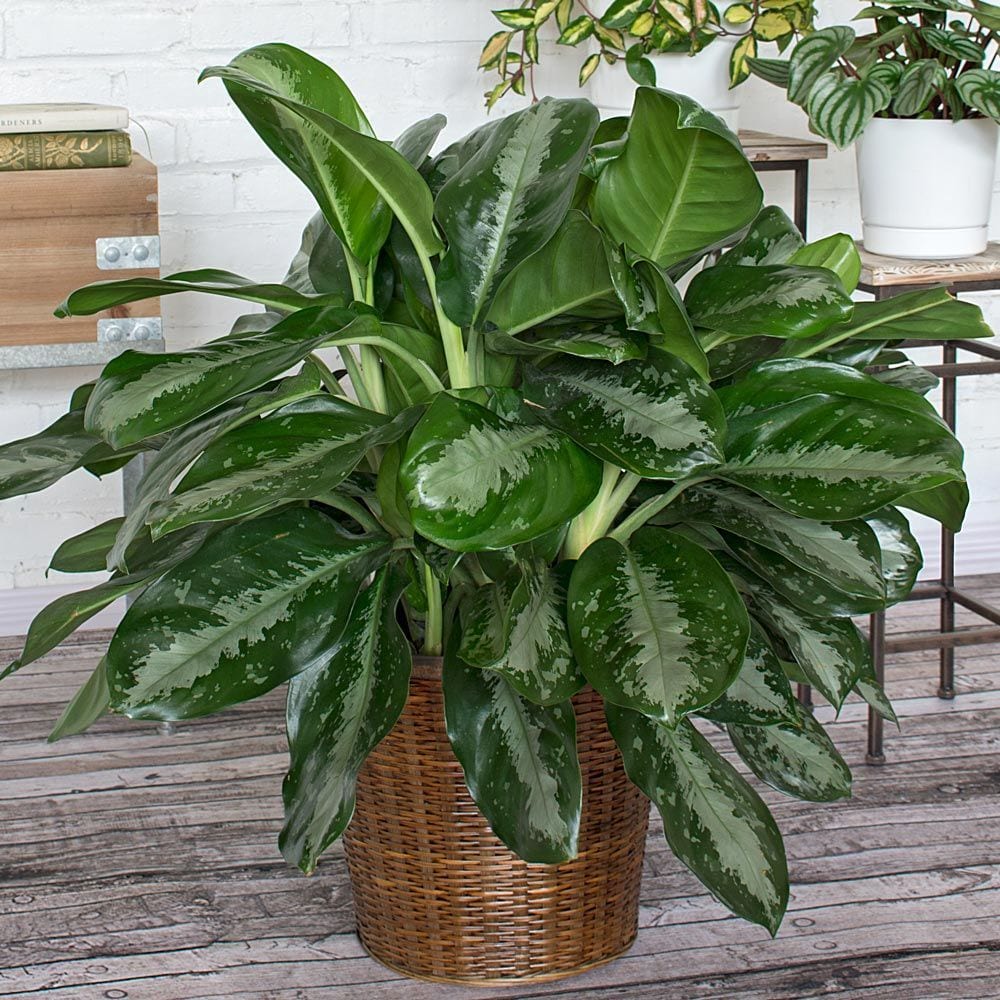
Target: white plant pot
703, 77
926, 186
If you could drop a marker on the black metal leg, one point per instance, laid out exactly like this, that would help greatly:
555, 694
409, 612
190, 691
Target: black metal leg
949, 410
876, 640
801, 204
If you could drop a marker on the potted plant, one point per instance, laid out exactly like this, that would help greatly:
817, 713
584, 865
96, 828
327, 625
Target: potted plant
920, 97
562, 519
646, 42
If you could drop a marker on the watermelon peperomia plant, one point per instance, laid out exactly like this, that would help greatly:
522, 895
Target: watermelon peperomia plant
550, 466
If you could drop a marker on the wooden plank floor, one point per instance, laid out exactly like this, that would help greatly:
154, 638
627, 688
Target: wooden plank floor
139, 865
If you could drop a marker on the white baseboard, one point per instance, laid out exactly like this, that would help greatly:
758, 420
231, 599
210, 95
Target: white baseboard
18, 607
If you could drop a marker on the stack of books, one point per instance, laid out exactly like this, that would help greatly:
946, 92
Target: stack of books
63, 136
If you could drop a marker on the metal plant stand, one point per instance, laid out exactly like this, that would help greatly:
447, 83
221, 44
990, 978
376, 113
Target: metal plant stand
768, 153
884, 277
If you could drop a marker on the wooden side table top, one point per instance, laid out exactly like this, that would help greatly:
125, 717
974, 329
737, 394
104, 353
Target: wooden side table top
762, 146
883, 272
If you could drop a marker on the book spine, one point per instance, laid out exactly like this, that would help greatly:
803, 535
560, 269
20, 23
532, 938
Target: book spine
64, 150
82, 120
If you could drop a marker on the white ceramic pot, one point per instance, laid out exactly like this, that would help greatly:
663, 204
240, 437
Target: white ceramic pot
926, 186
703, 77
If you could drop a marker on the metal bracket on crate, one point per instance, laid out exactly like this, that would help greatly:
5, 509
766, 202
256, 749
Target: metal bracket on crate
137, 329
118, 253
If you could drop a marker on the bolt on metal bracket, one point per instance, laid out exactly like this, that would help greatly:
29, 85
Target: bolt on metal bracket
135, 329
116, 253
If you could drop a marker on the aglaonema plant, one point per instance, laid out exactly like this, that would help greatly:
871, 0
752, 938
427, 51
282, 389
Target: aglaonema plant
536, 456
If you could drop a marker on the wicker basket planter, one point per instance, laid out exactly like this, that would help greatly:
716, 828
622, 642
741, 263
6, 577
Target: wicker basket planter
439, 897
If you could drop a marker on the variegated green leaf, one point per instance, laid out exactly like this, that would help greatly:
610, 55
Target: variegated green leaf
643, 636
772, 238
980, 89
298, 453
484, 615
103, 295
87, 552
840, 107
901, 557
475, 480
519, 759
337, 712
920, 81
568, 277
140, 395
681, 185
954, 43
262, 601
869, 688
774, 71
713, 820
86, 706
799, 759
761, 694
813, 56
776, 300
508, 199
655, 417
947, 504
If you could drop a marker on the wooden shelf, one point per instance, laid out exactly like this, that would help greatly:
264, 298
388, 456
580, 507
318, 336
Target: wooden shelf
761, 147
981, 271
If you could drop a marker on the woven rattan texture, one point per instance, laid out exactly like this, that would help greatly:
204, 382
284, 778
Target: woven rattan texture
439, 897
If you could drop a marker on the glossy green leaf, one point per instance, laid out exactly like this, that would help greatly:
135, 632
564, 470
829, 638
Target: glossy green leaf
901, 556
508, 199
654, 417
834, 458
874, 694
909, 376
262, 601
415, 142
681, 186
813, 56
86, 706
605, 345
311, 122
519, 759
475, 480
761, 694
87, 552
845, 553
140, 395
947, 504
772, 238
643, 636
714, 822
298, 453
320, 265
337, 712
568, 277
840, 107
772, 299
799, 760
837, 253
103, 295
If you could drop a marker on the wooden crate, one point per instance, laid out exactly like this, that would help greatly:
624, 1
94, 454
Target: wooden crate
49, 224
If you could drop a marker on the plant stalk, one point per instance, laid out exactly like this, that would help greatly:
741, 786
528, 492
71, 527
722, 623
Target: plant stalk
433, 624
651, 508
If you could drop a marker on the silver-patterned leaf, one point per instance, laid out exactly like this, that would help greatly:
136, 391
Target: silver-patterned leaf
840, 107
813, 56
902, 559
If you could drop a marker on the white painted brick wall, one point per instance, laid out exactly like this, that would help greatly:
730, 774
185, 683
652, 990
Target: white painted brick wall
225, 202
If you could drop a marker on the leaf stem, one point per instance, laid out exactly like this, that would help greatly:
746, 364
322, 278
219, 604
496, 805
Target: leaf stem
652, 507
459, 372
327, 377
433, 623
351, 507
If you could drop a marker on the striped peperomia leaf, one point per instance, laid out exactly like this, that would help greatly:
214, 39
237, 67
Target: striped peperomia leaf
812, 57
262, 601
919, 82
840, 107
713, 820
980, 88
643, 636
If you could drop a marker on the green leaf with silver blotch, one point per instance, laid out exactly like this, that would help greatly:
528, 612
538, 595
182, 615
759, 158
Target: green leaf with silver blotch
771, 239
761, 694
311, 122
909, 376
88, 705
776, 300
568, 277
869, 688
643, 636
980, 89
654, 417
475, 480
508, 199
901, 557
844, 553
297, 453
681, 185
337, 711
140, 395
919, 83
947, 504
714, 822
87, 552
520, 761
833, 458
812, 57
799, 760
484, 618
103, 295
260, 602
840, 107
837, 253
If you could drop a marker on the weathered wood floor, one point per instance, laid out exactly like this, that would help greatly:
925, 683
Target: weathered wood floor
145, 866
